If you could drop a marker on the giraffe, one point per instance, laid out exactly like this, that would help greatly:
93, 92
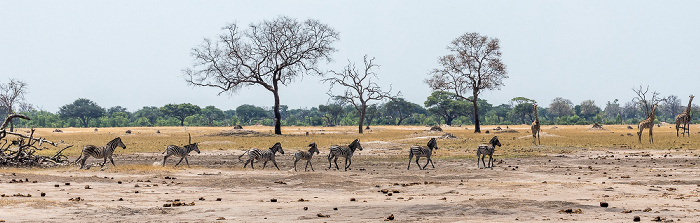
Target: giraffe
536, 128
684, 119
648, 123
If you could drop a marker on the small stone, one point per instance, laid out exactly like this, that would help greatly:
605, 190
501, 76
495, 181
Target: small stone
201, 198
335, 209
43, 194
390, 218
87, 187
604, 204
121, 199
67, 184
352, 199
167, 205
273, 200
322, 215
218, 199
636, 219
219, 218
306, 208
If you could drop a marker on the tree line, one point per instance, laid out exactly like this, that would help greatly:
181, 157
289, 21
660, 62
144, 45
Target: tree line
440, 107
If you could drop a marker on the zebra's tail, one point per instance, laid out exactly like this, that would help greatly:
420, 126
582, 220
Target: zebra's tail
239, 157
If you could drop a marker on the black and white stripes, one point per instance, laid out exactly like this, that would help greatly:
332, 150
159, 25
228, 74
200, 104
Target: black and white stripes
262, 155
484, 150
306, 155
422, 151
102, 152
182, 152
343, 151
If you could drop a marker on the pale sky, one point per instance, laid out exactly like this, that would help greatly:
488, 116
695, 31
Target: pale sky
131, 53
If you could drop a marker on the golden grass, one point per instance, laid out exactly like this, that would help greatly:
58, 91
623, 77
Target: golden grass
555, 139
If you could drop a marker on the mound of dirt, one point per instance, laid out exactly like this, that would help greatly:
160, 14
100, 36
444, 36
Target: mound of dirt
436, 128
508, 131
448, 135
239, 132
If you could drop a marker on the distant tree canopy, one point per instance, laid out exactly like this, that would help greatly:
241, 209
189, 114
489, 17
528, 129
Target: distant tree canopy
83, 110
180, 111
446, 105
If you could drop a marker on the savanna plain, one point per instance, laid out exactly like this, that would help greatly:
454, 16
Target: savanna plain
577, 174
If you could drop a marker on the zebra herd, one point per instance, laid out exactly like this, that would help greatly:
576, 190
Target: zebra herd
257, 155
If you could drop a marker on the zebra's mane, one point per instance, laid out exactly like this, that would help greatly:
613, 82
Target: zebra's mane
114, 141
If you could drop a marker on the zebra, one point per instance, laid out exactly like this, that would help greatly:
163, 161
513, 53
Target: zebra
306, 155
103, 152
422, 151
181, 152
262, 155
484, 150
343, 151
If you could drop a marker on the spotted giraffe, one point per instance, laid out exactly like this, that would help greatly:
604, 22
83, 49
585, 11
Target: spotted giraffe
684, 119
536, 128
648, 123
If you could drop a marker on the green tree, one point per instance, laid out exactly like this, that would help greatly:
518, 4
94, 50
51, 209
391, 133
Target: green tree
560, 107
180, 111
151, 113
247, 113
399, 109
81, 109
211, 114
588, 110
331, 113
524, 109
446, 105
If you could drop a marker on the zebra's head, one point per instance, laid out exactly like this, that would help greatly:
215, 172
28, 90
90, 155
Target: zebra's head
495, 142
314, 148
277, 147
117, 142
432, 143
355, 145
193, 147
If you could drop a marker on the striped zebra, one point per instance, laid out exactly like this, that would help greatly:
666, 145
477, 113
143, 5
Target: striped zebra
422, 151
306, 155
262, 155
484, 150
343, 151
181, 152
103, 152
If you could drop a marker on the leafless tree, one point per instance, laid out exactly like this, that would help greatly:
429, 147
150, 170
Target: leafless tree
268, 54
11, 94
359, 87
644, 103
474, 65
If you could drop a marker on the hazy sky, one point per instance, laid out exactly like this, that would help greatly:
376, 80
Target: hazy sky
131, 53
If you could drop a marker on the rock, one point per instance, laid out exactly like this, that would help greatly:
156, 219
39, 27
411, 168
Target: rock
390, 218
273, 200
636, 219
604, 204
220, 218
128, 132
436, 128
238, 127
322, 215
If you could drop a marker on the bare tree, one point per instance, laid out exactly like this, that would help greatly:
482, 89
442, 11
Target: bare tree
269, 54
11, 94
359, 87
644, 103
473, 66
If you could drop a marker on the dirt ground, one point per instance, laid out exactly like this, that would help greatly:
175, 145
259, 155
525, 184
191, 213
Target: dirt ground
659, 185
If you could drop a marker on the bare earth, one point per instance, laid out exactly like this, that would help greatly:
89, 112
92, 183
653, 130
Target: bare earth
652, 184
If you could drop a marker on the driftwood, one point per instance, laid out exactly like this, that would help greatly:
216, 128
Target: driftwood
20, 150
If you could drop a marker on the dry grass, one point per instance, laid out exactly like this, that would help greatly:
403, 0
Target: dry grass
555, 139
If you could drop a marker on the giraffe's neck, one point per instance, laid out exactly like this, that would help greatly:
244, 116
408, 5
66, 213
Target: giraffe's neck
537, 119
687, 109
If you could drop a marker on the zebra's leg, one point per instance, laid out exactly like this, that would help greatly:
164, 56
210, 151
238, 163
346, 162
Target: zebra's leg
111, 160
491, 161
82, 162
335, 160
310, 164
295, 165
483, 156
275, 162
264, 164
410, 156
187, 161
178, 163
429, 161
165, 158
104, 162
417, 158
346, 163
426, 163
329, 162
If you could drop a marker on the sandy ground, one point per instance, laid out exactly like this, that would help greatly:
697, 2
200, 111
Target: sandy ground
654, 185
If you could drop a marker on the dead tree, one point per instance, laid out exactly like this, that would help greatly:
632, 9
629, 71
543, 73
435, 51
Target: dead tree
20, 150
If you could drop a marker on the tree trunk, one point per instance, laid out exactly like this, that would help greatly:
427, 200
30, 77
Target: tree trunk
448, 120
182, 122
278, 116
477, 128
362, 117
